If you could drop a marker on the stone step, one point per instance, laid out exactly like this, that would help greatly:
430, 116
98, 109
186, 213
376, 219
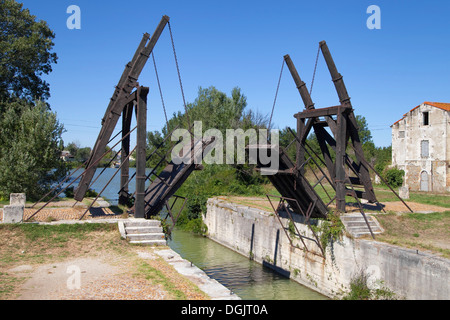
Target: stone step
364, 229
142, 223
145, 236
357, 227
142, 231
150, 242
353, 217
361, 224
137, 230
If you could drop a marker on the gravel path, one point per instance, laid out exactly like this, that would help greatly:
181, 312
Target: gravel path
104, 277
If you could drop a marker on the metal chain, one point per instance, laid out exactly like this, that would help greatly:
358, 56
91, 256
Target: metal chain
276, 95
179, 76
160, 91
315, 69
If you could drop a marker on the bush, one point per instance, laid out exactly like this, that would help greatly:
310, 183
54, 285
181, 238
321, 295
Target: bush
394, 177
359, 290
30, 149
69, 193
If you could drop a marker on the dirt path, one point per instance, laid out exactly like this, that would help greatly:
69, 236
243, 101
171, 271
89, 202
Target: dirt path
395, 206
94, 265
84, 279
398, 206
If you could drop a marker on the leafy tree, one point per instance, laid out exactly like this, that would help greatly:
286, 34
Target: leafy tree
30, 135
80, 155
31, 145
72, 148
365, 135
213, 108
25, 53
83, 154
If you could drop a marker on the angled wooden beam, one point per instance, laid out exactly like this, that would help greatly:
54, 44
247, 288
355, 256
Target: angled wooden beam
126, 84
124, 154
301, 86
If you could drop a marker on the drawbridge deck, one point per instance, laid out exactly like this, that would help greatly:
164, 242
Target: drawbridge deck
170, 179
292, 185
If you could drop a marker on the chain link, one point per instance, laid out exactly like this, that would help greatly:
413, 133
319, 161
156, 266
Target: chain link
160, 92
179, 78
315, 69
276, 95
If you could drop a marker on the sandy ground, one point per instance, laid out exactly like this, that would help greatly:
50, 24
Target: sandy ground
105, 277
395, 206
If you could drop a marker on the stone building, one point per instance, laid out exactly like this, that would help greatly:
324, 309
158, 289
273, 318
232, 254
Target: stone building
421, 147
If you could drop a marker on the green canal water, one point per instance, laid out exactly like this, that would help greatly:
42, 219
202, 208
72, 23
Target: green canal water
248, 279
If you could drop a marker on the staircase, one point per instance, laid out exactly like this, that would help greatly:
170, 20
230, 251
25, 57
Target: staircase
357, 227
142, 231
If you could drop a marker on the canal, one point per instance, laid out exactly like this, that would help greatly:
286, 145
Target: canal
246, 278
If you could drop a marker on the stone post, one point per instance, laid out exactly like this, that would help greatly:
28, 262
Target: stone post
404, 192
14, 212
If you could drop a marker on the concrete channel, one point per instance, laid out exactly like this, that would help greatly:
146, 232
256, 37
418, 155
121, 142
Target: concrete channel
258, 234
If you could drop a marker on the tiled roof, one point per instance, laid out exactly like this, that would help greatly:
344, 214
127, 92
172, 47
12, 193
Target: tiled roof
440, 105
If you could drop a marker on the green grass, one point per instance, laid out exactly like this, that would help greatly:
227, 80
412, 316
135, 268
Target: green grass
57, 233
33, 243
158, 277
418, 231
383, 194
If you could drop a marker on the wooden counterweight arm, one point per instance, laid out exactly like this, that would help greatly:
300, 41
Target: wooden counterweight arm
301, 86
118, 102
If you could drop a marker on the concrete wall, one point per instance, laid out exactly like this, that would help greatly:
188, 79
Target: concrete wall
407, 135
258, 235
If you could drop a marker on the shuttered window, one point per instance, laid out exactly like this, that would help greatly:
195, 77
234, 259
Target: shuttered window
424, 148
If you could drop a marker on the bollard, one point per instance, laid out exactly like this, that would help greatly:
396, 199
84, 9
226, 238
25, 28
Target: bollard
14, 212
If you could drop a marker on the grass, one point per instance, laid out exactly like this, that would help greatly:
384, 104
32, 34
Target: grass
34, 244
383, 194
417, 231
412, 230
158, 277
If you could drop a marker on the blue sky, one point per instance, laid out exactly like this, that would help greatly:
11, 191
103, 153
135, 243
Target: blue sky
230, 44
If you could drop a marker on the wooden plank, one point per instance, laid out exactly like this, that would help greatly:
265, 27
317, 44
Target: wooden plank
141, 148
322, 112
351, 120
293, 186
340, 162
171, 179
363, 171
322, 136
124, 154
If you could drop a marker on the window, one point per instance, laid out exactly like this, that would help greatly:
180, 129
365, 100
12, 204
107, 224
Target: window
424, 148
401, 134
426, 118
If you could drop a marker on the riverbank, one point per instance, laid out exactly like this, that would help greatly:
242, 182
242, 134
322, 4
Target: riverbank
399, 272
71, 260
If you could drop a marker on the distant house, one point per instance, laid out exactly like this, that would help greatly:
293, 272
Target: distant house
421, 147
66, 156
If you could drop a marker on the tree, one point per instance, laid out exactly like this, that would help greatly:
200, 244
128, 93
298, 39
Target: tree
25, 53
363, 130
30, 135
31, 145
214, 109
